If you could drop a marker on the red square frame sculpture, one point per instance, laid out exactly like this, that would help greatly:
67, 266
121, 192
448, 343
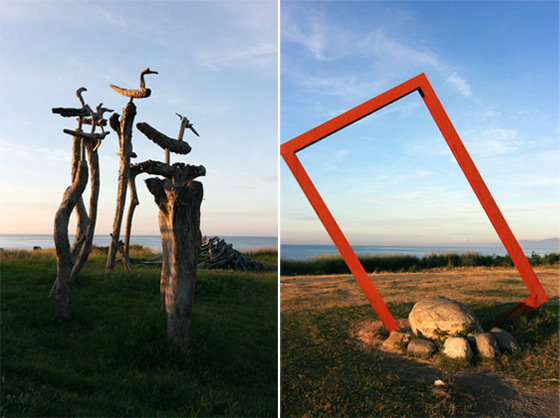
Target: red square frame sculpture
421, 84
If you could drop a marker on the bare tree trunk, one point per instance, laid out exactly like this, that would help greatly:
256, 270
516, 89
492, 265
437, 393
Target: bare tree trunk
134, 171
93, 159
124, 132
82, 218
62, 244
179, 223
84, 244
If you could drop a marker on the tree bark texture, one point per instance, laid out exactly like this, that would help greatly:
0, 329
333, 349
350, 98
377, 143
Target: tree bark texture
124, 132
62, 244
134, 171
82, 218
81, 248
165, 142
85, 250
179, 223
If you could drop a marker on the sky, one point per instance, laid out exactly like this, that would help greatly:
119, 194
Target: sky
218, 66
390, 178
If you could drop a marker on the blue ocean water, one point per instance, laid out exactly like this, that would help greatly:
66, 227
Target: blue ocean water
302, 252
27, 242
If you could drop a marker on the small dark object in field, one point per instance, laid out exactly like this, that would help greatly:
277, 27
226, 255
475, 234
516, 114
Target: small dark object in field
37, 248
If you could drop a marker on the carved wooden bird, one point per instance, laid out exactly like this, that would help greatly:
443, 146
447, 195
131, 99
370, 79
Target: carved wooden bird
136, 93
187, 124
79, 95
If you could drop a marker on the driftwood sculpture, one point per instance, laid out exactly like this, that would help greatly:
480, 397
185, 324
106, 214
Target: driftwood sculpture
123, 128
177, 195
140, 93
216, 253
178, 198
71, 258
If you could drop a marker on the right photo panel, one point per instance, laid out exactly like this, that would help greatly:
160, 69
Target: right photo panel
419, 201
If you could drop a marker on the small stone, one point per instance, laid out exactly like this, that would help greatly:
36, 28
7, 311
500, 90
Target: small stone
505, 340
439, 316
396, 342
457, 347
485, 344
439, 382
420, 347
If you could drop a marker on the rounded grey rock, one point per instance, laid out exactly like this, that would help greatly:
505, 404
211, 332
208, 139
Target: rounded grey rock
439, 316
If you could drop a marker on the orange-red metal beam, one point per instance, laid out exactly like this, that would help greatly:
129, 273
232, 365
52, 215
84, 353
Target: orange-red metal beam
421, 84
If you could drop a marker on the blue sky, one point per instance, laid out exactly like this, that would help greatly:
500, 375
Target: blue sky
390, 178
217, 64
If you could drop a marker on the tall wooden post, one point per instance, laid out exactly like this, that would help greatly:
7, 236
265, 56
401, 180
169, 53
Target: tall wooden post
179, 223
124, 132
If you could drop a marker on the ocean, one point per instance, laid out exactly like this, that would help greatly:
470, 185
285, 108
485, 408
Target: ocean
302, 252
27, 242
291, 251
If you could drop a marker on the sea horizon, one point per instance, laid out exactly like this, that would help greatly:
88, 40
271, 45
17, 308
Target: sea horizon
46, 241
307, 251
296, 251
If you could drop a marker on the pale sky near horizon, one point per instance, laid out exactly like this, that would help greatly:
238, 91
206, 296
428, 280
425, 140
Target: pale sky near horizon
390, 179
217, 64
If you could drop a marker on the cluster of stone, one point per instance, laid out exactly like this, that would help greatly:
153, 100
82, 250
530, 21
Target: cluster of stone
443, 319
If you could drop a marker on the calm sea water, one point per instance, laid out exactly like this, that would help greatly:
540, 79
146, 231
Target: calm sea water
302, 252
27, 242
294, 252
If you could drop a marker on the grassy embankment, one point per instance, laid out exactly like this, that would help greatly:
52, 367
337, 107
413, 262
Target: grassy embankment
110, 357
332, 365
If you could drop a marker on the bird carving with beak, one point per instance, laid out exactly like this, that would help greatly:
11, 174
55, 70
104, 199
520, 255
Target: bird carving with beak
140, 93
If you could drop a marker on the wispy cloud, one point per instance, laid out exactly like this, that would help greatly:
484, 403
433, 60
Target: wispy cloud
256, 57
492, 141
459, 84
390, 52
25, 153
312, 36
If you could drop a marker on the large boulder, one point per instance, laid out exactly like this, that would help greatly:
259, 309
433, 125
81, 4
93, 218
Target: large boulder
439, 316
457, 347
396, 342
505, 340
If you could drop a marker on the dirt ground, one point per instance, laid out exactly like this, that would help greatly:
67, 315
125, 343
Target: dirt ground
470, 286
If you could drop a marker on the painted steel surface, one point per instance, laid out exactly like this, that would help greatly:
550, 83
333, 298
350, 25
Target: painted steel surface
420, 84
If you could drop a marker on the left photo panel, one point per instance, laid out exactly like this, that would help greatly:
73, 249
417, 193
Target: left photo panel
139, 208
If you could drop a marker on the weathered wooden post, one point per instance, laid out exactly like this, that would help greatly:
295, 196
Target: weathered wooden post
178, 198
123, 128
71, 259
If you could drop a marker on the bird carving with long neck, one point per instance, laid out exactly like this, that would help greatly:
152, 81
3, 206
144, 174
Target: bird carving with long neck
136, 93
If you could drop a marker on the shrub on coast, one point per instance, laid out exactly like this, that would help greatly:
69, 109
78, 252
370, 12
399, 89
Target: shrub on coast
334, 264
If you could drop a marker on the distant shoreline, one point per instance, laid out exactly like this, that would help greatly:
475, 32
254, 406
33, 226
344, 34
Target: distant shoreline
46, 241
306, 252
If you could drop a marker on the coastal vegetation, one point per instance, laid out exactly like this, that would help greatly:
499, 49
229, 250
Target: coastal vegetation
334, 264
110, 356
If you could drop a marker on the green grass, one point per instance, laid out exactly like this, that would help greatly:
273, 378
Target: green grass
111, 357
405, 263
327, 373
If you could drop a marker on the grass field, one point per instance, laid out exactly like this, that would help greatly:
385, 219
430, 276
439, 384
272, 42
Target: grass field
110, 357
332, 365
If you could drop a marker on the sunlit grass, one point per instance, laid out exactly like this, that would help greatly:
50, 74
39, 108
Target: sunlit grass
332, 365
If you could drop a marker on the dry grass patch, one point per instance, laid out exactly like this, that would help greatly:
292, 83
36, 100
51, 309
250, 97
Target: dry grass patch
331, 364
